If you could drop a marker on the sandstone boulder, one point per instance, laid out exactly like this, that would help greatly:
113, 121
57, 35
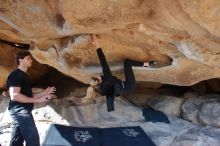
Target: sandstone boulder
181, 35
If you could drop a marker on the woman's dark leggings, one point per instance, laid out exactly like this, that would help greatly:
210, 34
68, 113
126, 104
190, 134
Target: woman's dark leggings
129, 82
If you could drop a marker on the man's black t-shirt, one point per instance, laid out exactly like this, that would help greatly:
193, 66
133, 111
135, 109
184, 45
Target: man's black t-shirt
19, 78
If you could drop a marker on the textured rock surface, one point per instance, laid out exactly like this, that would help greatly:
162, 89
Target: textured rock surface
183, 31
210, 113
182, 35
177, 133
202, 109
190, 109
168, 104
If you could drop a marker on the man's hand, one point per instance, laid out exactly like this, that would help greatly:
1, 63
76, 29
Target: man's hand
44, 98
94, 41
49, 90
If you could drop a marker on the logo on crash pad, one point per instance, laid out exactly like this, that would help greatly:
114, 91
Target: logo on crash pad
130, 132
82, 136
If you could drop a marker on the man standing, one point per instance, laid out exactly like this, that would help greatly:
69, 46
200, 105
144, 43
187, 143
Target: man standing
21, 102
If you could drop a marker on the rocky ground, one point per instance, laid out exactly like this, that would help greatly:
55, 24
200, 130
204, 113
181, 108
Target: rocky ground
203, 112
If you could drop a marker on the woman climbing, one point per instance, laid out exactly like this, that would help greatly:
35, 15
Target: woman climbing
109, 85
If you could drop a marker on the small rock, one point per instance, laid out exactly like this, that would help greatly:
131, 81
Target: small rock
209, 114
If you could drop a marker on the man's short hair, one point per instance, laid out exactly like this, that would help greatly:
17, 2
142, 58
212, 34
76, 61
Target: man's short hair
21, 55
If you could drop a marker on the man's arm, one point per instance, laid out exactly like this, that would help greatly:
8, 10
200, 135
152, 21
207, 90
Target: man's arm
15, 95
37, 95
49, 90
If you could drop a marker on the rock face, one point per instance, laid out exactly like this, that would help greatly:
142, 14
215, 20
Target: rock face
182, 35
202, 109
199, 109
190, 109
212, 110
167, 104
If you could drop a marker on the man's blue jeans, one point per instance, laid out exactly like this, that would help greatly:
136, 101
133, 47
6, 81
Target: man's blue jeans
24, 129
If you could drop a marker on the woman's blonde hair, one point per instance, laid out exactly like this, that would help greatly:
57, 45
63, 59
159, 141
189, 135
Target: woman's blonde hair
94, 81
91, 90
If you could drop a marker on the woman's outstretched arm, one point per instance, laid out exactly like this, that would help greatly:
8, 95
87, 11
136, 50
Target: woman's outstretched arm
105, 67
